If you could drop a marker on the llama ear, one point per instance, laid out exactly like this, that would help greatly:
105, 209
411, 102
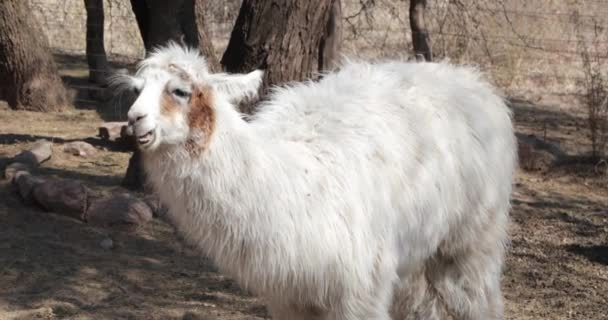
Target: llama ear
237, 87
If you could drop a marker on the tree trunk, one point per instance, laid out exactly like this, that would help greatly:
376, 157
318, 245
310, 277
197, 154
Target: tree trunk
134, 178
205, 44
96, 52
282, 39
420, 35
29, 78
332, 38
164, 23
181, 21
161, 21
140, 10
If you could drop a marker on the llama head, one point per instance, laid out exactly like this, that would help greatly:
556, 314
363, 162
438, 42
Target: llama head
179, 99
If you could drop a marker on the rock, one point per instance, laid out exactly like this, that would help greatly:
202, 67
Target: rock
26, 157
4, 162
63, 196
25, 184
27, 160
37, 154
124, 211
107, 243
79, 148
112, 131
118, 134
14, 168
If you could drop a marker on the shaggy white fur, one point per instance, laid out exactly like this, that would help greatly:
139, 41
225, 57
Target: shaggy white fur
379, 192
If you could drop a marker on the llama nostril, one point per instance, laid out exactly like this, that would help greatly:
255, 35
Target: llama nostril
134, 118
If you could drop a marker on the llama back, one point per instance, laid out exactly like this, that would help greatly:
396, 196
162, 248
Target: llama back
432, 145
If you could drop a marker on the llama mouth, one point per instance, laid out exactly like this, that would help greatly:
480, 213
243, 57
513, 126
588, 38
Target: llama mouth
146, 138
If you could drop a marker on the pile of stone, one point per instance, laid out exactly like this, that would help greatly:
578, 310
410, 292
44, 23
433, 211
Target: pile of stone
120, 209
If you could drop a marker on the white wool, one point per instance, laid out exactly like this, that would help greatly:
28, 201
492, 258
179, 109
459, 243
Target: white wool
381, 190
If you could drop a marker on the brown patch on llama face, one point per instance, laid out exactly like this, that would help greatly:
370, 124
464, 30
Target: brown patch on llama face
168, 106
201, 119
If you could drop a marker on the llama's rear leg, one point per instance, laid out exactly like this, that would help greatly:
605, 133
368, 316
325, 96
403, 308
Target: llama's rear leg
416, 299
469, 283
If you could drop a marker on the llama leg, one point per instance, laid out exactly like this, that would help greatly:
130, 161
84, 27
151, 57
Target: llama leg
469, 283
366, 300
416, 299
377, 305
339, 313
369, 308
370, 303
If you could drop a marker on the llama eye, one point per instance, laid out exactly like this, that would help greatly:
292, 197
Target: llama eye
181, 93
136, 90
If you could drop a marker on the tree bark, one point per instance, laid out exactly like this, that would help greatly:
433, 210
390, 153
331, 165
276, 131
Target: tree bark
205, 44
282, 39
164, 23
140, 10
99, 68
135, 178
181, 21
29, 78
332, 38
420, 35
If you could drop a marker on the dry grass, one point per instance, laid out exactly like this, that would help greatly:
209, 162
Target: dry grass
529, 49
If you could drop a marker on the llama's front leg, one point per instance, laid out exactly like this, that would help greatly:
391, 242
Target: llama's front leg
369, 304
470, 286
368, 307
468, 281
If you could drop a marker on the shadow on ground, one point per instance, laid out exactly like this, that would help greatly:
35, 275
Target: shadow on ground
12, 138
593, 253
56, 262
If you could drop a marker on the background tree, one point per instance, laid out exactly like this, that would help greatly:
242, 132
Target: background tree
284, 40
183, 21
29, 78
420, 34
99, 68
331, 40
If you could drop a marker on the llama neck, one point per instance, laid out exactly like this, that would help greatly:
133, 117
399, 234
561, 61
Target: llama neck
217, 200
222, 174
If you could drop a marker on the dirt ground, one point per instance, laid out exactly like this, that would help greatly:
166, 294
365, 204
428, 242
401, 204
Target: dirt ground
53, 267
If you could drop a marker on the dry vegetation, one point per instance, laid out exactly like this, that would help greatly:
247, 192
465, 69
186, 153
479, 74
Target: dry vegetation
531, 50
53, 267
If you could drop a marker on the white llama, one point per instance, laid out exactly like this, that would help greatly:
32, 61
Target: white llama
379, 192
